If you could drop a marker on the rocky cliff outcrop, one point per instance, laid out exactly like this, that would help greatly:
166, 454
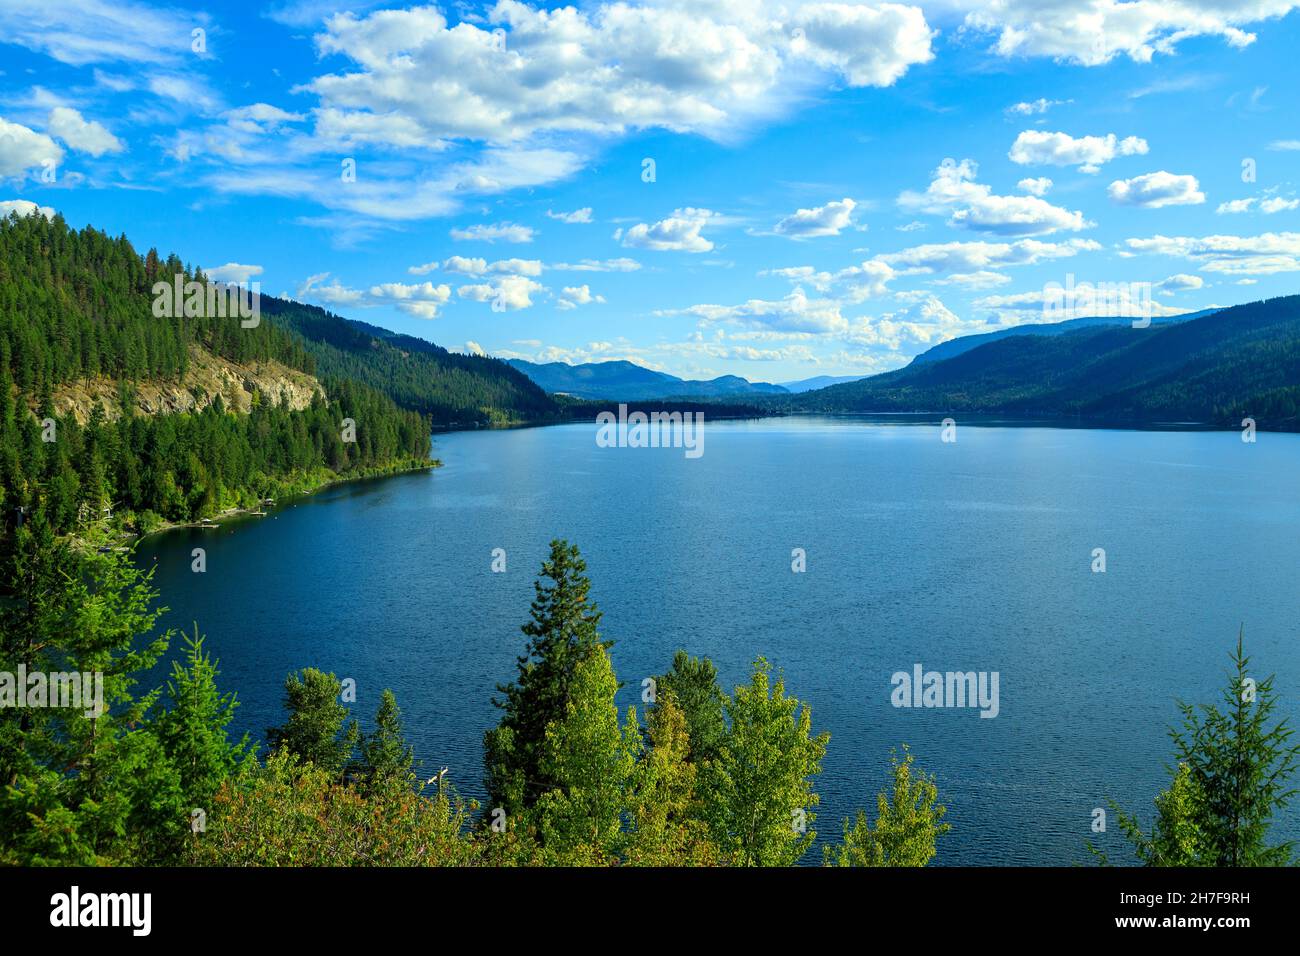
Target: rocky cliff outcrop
207, 377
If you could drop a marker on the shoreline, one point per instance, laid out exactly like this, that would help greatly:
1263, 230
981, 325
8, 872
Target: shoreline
981, 419
129, 541
547, 422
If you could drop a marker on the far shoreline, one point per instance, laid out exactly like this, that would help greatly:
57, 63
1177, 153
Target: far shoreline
980, 419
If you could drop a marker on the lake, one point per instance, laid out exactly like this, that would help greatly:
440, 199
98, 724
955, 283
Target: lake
974, 555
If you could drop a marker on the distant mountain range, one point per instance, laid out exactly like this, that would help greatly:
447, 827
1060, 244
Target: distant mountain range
954, 347
1216, 367
627, 381
820, 381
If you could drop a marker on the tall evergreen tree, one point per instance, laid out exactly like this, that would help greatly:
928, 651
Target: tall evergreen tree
1231, 776
385, 756
562, 632
192, 722
87, 782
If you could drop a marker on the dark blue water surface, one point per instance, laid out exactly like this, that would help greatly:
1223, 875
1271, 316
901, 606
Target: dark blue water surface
974, 555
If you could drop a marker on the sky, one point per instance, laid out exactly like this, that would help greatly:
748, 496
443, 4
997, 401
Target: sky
772, 190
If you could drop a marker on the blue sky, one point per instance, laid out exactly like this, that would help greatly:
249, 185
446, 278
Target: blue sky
837, 186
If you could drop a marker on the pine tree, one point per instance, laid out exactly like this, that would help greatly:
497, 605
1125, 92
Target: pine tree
32, 615
88, 783
561, 634
1232, 768
385, 756
191, 724
1240, 764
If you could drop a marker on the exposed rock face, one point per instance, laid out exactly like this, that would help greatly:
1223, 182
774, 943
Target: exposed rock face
207, 377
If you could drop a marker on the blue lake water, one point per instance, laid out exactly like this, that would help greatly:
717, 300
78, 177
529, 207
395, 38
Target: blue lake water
966, 556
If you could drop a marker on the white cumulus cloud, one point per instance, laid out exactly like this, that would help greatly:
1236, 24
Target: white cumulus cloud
1154, 190
24, 207
1265, 254
606, 67
1093, 32
233, 272
573, 296
1040, 148
953, 191
22, 149
1182, 282
507, 294
1035, 187
825, 220
966, 257
80, 134
1268, 206
678, 232
421, 300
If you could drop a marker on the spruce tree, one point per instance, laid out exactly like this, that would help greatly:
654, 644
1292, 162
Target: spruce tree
191, 724
1240, 765
1232, 766
562, 632
385, 756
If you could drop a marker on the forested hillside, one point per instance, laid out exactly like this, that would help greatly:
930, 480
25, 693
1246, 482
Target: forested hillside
77, 307
964, 343
452, 389
1239, 362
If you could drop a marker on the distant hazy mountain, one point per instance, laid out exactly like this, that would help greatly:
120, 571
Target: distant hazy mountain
629, 381
1225, 365
954, 347
820, 381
